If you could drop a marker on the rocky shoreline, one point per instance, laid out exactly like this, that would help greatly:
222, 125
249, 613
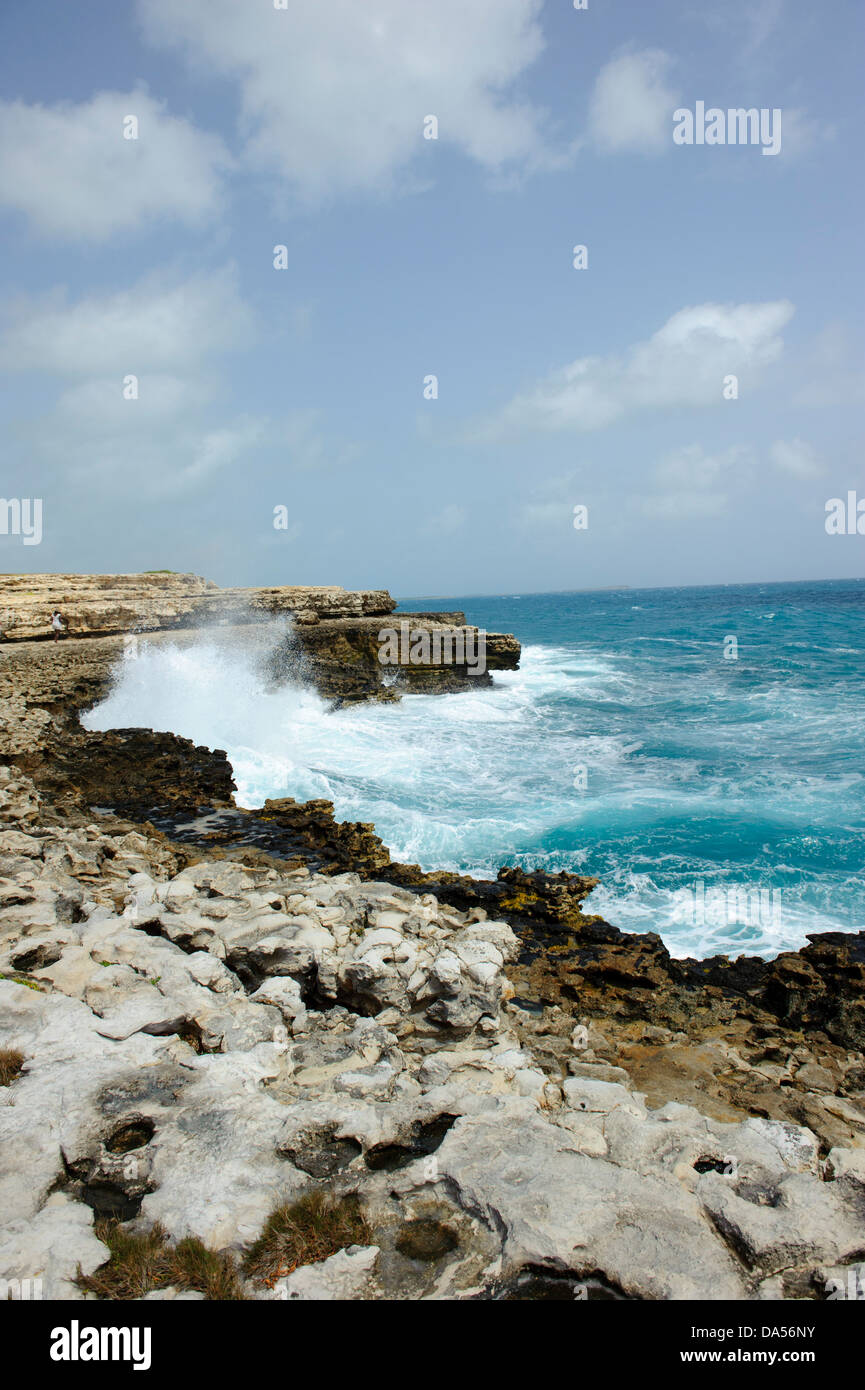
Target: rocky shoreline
219, 1012
329, 635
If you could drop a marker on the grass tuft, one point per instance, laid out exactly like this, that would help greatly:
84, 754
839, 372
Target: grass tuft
295, 1234
141, 1263
11, 1062
304, 1232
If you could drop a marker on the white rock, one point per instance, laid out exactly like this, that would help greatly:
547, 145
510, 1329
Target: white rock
600, 1097
345, 1275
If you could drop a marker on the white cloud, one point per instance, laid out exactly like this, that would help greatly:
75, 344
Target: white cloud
690, 483
139, 456
632, 104
683, 364
168, 446
153, 326
333, 93
170, 439
692, 470
795, 457
683, 506
69, 169
178, 434
802, 133
98, 405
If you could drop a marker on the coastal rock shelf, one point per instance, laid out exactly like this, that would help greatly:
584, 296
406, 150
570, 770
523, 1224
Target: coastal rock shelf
97, 605
208, 1012
330, 635
198, 1042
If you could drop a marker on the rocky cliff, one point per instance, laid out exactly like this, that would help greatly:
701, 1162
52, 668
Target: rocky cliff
209, 1015
332, 633
203, 1050
97, 605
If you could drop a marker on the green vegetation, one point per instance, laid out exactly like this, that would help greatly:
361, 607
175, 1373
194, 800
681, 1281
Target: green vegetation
23, 980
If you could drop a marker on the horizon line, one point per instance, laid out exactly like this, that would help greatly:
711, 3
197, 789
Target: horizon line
633, 589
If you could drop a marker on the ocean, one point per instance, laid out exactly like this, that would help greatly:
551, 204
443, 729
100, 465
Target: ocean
716, 787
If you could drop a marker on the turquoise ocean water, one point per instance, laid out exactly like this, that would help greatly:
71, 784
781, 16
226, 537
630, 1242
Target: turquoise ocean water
721, 802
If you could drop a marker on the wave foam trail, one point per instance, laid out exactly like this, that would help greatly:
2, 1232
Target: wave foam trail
606, 759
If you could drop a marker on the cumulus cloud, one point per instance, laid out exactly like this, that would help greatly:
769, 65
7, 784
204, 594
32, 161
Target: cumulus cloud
550, 504
333, 93
690, 483
802, 133
138, 455
70, 170
173, 434
632, 104
155, 325
683, 364
172, 446
684, 506
795, 457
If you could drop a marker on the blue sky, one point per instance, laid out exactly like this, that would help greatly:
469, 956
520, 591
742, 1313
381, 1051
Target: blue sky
304, 388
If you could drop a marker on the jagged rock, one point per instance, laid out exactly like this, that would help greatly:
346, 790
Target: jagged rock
330, 633
561, 1209
344, 1275
99, 604
793, 1222
205, 1040
137, 772
51, 1246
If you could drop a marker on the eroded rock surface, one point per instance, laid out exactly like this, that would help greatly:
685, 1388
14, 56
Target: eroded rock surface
331, 633
206, 1039
98, 605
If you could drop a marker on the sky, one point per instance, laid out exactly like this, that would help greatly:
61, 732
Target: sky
418, 390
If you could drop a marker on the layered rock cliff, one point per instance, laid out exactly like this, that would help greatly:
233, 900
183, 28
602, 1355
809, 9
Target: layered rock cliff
331, 633
97, 605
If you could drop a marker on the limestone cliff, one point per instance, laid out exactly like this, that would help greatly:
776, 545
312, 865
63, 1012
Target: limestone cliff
192, 972
334, 636
96, 605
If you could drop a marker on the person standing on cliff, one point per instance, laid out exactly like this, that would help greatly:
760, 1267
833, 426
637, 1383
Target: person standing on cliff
58, 627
